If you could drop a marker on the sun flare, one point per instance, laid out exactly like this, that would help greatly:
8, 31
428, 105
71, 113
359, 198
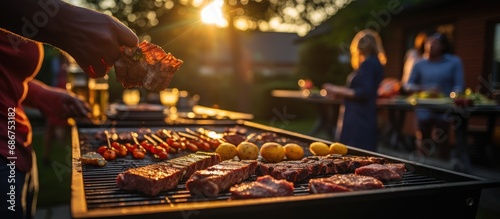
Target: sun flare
212, 14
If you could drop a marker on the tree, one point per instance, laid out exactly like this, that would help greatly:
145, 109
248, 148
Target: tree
176, 26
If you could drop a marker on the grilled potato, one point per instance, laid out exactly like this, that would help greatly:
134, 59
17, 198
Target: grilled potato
272, 152
293, 151
226, 151
247, 151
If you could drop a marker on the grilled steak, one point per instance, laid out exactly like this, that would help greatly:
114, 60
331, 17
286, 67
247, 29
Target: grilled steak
198, 161
150, 179
296, 171
154, 178
383, 172
220, 177
344, 183
264, 186
148, 66
292, 171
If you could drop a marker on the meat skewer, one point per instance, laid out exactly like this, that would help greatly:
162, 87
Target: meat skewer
158, 151
109, 153
164, 144
138, 152
211, 140
199, 142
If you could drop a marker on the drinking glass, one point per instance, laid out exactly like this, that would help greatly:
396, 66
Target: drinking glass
131, 97
169, 97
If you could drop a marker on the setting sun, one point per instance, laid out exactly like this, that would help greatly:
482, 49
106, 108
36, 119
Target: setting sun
212, 14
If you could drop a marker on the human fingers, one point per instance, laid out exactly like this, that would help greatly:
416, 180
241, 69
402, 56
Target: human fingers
96, 68
126, 36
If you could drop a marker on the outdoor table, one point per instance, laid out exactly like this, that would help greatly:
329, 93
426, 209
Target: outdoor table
397, 109
326, 119
459, 116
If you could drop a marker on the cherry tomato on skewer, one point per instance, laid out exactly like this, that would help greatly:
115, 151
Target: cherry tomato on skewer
130, 147
213, 143
122, 151
203, 145
102, 149
191, 147
109, 154
115, 144
138, 153
162, 155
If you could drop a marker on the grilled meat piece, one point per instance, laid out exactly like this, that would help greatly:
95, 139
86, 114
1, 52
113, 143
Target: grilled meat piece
383, 172
264, 186
344, 183
343, 164
148, 66
193, 162
292, 171
296, 171
150, 179
234, 138
220, 177
359, 161
154, 178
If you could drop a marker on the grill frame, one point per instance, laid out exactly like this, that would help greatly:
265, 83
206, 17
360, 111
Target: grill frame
458, 196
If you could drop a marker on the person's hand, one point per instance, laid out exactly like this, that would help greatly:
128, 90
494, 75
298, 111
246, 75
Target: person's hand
56, 104
331, 88
72, 106
95, 40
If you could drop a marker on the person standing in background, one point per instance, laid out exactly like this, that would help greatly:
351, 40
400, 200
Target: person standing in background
357, 122
440, 73
413, 55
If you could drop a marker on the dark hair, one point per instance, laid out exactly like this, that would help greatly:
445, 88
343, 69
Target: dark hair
444, 42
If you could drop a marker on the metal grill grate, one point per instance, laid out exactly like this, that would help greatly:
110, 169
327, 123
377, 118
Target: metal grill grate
101, 190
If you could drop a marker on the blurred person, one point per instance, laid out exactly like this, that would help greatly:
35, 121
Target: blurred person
413, 55
357, 123
438, 74
93, 39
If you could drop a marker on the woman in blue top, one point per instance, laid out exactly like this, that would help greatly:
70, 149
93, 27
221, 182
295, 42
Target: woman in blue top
357, 124
439, 72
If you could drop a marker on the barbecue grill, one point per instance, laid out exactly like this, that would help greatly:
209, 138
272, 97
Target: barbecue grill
424, 192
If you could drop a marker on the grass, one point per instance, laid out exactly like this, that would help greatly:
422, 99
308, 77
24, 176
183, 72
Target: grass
55, 176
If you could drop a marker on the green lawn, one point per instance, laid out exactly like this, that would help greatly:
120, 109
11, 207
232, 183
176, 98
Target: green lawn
55, 176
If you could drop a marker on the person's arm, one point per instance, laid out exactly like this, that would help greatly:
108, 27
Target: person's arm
412, 85
93, 39
55, 102
458, 77
339, 91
